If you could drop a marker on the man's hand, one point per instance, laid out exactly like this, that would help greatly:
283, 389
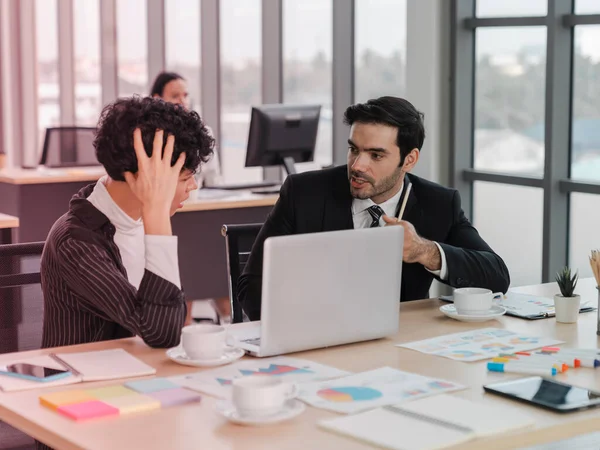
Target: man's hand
416, 248
155, 182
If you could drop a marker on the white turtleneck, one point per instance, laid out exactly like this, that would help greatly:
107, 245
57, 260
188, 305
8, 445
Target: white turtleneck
139, 251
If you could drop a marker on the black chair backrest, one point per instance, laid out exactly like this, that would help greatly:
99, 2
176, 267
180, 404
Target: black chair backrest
10, 263
238, 242
21, 299
69, 147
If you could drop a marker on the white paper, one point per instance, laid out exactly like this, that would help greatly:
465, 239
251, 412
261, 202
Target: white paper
366, 390
217, 382
480, 344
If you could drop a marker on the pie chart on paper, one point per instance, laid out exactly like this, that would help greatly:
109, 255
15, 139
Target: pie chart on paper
349, 394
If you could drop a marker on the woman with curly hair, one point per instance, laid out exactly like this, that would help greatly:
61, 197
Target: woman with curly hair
110, 268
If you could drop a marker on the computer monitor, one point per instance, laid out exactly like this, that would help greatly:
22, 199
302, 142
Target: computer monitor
282, 135
69, 147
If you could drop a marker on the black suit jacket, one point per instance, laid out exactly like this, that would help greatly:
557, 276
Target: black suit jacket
321, 201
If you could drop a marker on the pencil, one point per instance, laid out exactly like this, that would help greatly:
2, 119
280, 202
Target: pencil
408, 188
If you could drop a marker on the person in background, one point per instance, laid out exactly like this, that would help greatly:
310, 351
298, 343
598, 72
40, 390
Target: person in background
172, 87
110, 266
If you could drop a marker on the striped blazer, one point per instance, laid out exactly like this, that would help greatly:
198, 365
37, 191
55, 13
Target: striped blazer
87, 296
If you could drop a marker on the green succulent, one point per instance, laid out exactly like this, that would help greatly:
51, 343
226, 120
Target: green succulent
566, 282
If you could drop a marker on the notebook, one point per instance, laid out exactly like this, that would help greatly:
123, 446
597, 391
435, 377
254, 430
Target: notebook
427, 424
86, 366
527, 306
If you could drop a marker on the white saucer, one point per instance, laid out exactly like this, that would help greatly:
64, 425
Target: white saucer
229, 355
291, 408
494, 311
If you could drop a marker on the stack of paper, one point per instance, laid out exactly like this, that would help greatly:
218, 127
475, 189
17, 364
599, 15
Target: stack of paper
427, 424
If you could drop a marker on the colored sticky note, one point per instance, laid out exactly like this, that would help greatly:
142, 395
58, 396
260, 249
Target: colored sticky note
173, 397
88, 410
129, 404
109, 392
153, 385
57, 399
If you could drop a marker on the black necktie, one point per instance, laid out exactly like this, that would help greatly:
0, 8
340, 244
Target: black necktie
376, 213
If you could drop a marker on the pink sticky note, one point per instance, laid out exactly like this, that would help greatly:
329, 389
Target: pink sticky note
87, 410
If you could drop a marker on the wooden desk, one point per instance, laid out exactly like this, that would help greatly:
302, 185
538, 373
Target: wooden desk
39, 197
50, 175
202, 257
8, 228
199, 426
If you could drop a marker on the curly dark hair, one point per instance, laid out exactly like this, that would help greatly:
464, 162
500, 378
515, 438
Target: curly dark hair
393, 111
114, 134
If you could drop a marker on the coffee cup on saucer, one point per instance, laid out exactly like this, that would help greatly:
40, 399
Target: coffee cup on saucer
204, 341
472, 301
261, 395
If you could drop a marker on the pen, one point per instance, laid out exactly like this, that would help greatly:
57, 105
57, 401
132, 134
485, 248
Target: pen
568, 360
520, 368
544, 364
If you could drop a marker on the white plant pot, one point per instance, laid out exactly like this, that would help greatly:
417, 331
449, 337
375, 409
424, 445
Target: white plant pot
567, 308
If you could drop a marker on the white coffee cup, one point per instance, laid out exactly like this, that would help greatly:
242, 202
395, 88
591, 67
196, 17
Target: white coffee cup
261, 395
472, 300
203, 341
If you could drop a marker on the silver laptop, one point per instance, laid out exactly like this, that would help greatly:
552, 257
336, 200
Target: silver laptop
325, 289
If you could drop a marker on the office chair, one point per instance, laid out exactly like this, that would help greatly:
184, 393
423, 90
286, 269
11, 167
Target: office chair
19, 267
69, 147
238, 243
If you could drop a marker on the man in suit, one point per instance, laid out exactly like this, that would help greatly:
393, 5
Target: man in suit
376, 186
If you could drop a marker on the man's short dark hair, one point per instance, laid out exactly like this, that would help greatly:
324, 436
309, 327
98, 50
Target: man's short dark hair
161, 80
114, 134
393, 111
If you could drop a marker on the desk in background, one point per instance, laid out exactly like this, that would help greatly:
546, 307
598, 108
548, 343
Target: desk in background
194, 426
39, 197
8, 228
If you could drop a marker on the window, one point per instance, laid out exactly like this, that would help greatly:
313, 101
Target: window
587, 7
307, 52
47, 62
509, 100
182, 43
132, 47
511, 8
509, 218
585, 127
583, 232
380, 49
88, 88
240, 84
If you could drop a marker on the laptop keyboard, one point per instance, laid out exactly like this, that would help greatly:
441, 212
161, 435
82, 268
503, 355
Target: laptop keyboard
252, 341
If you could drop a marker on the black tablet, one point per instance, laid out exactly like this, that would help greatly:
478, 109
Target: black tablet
546, 393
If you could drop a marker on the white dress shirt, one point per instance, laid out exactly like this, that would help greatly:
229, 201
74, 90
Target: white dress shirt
139, 251
362, 219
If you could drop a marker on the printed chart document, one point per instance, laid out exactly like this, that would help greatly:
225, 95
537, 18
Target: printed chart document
367, 390
480, 344
218, 381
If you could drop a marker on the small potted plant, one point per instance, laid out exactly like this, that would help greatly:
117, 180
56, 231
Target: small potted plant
566, 304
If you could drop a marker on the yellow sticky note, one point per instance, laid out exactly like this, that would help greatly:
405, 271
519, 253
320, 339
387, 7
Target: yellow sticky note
109, 392
129, 404
56, 399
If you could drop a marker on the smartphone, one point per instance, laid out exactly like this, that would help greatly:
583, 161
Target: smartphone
546, 393
33, 372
